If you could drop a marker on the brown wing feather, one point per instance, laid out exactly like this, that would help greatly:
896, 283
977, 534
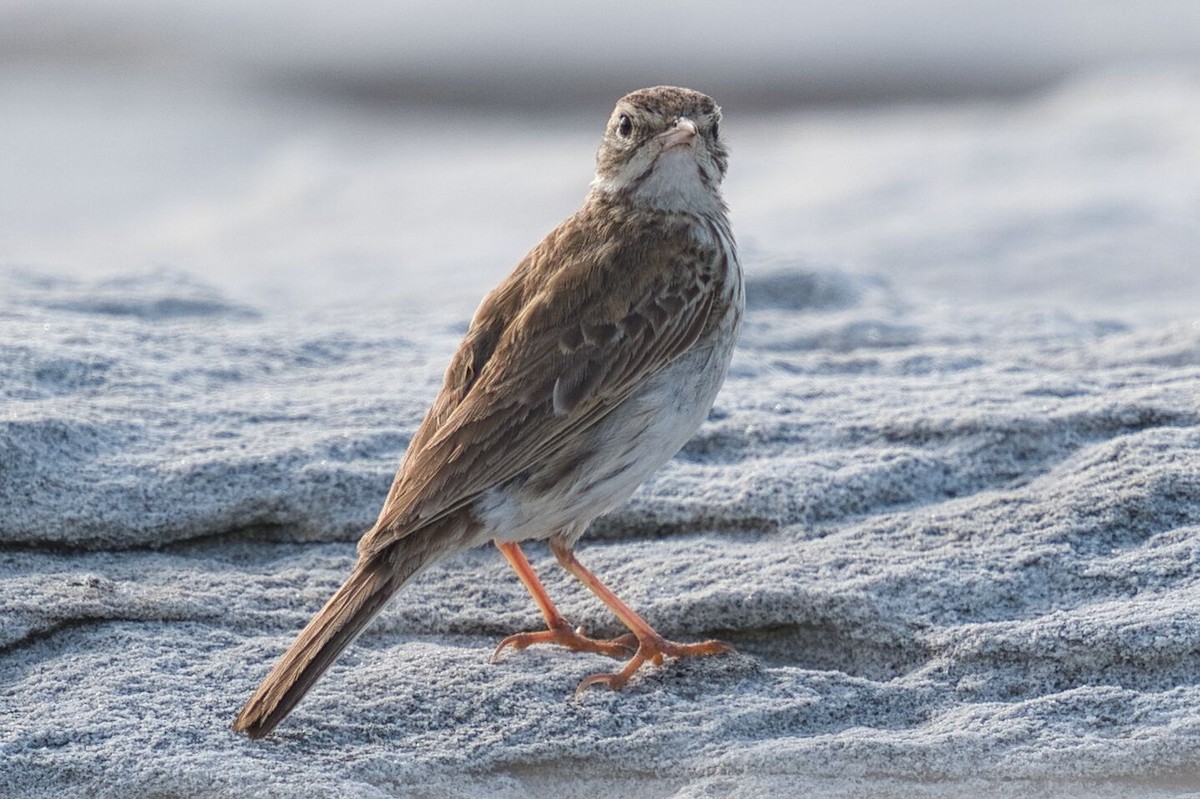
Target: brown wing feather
494, 315
542, 362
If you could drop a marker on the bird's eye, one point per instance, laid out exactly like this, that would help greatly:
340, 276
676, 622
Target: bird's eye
716, 129
624, 126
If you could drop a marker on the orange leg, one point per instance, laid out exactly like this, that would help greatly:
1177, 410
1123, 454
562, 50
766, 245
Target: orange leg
558, 631
651, 646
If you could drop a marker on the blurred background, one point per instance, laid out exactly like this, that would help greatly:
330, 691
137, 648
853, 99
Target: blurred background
301, 154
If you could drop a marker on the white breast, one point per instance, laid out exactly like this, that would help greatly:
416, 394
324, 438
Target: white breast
625, 448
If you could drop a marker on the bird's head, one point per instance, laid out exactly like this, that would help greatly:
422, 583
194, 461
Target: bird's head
663, 149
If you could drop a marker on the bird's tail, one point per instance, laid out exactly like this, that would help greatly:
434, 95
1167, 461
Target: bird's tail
376, 578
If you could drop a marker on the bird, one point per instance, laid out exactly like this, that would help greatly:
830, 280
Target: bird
583, 372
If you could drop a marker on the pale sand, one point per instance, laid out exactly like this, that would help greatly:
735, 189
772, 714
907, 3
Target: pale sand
952, 527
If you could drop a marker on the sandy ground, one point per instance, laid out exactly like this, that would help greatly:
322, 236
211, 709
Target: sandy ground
947, 506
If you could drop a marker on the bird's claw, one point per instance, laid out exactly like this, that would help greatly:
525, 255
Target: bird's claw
653, 651
572, 638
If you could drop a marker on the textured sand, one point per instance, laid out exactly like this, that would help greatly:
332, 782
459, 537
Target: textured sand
953, 532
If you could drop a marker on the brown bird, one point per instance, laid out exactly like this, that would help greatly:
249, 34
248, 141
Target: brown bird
581, 374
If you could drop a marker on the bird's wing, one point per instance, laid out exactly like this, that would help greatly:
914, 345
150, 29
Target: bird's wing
543, 361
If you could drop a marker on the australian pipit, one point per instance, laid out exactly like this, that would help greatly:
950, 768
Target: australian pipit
581, 374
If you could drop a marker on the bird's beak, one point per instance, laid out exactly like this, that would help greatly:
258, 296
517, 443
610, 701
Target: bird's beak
683, 133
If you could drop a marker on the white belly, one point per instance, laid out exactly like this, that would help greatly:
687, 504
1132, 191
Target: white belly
624, 449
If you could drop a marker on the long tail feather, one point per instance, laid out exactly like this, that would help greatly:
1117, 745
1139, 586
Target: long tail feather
376, 578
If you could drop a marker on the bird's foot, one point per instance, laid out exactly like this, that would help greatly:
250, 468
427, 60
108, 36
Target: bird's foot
572, 638
652, 650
